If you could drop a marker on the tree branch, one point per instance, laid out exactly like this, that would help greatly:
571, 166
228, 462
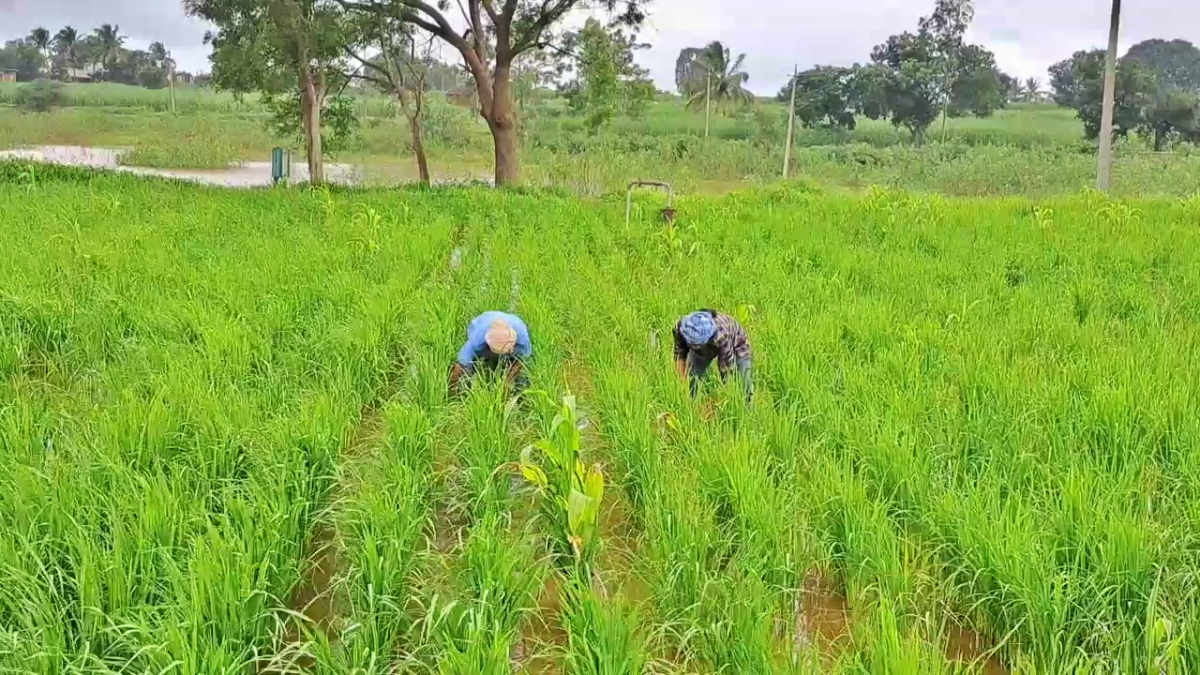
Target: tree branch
370, 66
551, 11
491, 12
477, 32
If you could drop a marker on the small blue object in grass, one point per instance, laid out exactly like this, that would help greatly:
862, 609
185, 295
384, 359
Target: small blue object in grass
281, 165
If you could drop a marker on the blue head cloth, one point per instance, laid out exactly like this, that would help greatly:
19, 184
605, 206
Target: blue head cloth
698, 328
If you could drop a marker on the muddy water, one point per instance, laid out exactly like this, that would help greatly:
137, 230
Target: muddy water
825, 622
244, 174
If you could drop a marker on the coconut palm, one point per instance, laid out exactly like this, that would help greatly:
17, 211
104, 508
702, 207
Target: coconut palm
719, 77
41, 38
1033, 87
66, 46
158, 53
111, 41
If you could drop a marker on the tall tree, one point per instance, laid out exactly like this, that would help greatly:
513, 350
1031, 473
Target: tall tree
607, 79
905, 83
111, 42
722, 79
946, 28
22, 56
826, 97
914, 77
1078, 83
158, 53
1175, 68
1175, 63
689, 69
497, 33
40, 37
276, 47
1033, 90
385, 50
66, 46
978, 87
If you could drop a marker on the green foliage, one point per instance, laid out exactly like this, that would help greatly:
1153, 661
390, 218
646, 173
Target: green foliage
718, 78
978, 88
1078, 83
23, 56
826, 97
904, 83
598, 96
1175, 63
339, 122
915, 76
1174, 115
690, 70
40, 96
607, 80
1175, 68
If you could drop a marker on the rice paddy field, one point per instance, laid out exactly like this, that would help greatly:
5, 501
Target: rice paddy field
226, 444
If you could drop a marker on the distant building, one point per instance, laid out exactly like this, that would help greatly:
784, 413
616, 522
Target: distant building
8, 75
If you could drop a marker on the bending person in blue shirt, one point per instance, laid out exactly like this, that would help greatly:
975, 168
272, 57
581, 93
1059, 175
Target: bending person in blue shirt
494, 340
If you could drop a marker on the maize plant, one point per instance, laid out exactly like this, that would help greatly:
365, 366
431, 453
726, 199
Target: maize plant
570, 492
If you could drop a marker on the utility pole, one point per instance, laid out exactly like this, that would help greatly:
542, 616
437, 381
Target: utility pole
171, 80
1104, 171
787, 148
707, 96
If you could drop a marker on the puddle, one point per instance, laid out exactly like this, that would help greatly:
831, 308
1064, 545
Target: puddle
824, 623
964, 645
313, 598
241, 175
823, 619
544, 639
70, 155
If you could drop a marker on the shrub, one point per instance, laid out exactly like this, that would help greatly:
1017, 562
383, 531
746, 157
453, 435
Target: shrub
40, 96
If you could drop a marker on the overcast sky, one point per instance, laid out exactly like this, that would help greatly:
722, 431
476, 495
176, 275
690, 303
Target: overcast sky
1026, 35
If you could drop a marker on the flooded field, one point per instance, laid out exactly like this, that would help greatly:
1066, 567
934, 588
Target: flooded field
242, 174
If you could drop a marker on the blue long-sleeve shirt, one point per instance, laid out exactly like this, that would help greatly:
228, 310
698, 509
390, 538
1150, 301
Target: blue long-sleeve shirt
476, 345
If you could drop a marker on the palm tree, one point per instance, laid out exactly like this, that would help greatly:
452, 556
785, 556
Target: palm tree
719, 78
158, 53
41, 37
91, 53
66, 46
111, 41
1033, 87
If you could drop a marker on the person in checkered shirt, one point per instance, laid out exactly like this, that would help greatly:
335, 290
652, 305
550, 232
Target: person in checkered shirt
707, 335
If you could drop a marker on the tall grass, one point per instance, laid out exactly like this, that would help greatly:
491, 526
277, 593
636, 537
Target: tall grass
971, 413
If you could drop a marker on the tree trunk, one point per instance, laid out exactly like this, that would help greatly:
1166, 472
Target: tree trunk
414, 122
503, 124
1160, 140
310, 110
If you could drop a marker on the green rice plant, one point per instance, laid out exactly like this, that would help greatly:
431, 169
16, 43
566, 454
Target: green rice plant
497, 587
971, 412
606, 638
